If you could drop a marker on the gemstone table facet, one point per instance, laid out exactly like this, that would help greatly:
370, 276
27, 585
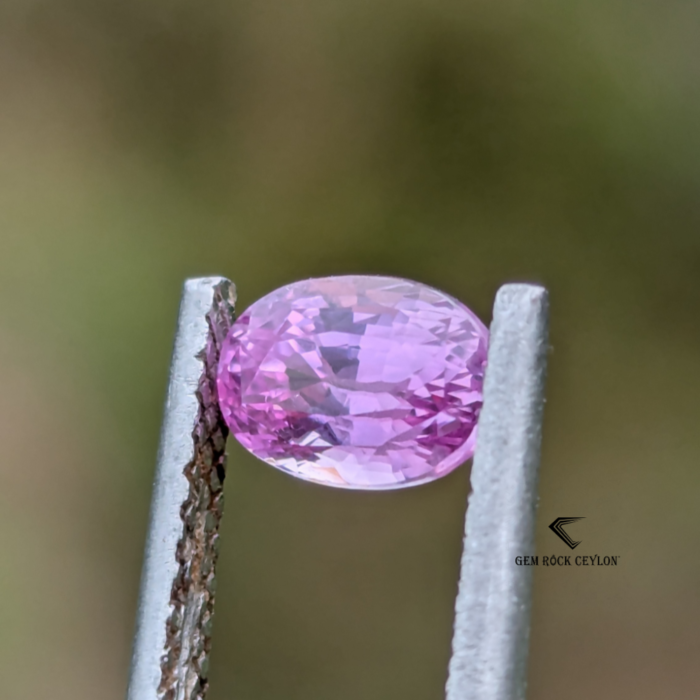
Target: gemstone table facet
355, 381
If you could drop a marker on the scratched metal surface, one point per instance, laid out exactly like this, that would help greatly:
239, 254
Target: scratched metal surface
172, 640
492, 619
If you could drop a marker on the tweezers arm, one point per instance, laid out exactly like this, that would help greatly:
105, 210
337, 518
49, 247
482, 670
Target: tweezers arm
492, 617
171, 644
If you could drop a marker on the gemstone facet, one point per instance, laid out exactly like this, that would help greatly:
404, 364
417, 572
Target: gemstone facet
356, 381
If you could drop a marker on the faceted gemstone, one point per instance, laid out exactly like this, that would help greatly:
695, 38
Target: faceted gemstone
359, 382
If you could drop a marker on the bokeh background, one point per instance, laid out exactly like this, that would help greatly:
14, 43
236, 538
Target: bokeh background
460, 144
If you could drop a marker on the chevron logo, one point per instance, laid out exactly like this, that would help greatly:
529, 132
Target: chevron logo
557, 527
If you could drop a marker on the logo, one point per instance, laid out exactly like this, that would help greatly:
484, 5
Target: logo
557, 527
558, 560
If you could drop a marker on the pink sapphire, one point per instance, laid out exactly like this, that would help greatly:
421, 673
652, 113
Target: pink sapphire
358, 382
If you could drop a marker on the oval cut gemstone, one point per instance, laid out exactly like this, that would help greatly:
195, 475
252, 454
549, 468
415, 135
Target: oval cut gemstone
356, 381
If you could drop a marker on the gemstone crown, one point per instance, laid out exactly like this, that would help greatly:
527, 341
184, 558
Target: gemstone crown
356, 381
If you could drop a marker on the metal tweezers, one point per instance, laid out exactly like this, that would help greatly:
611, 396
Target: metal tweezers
492, 619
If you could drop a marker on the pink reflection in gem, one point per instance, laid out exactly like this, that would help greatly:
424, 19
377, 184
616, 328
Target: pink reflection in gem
359, 382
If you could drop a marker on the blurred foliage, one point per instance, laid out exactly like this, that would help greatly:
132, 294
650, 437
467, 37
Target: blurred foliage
463, 145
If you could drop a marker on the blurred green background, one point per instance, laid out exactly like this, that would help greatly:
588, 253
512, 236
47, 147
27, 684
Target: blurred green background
460, 144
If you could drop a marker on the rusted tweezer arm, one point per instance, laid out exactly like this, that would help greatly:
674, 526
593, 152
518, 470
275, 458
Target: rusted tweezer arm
173, 627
